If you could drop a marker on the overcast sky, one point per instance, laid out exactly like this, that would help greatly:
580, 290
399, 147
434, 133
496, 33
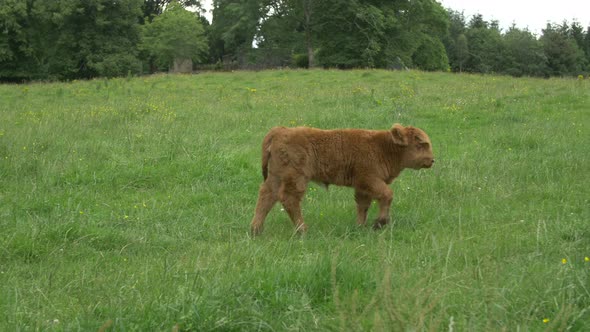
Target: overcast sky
531, 14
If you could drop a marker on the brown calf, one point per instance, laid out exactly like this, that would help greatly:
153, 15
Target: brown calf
367, 160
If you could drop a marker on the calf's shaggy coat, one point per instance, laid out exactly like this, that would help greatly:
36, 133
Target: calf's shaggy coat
367, 160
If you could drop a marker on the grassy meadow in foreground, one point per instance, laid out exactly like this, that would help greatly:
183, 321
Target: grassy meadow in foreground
125, 204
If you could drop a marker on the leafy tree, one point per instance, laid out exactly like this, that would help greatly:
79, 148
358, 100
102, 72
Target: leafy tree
477, 22
16, 55
576, 33
564, 57
461, 51
289, 24
431, 55
92, 37
455, 41
176, 34
153, 8
280, 28
349, 40
485, 46
425, 24
524, 54
69, 39
375, 33
308, 23
234, 25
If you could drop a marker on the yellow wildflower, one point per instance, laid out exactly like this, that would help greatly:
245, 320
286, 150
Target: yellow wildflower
587, 259
545, 320
563, 261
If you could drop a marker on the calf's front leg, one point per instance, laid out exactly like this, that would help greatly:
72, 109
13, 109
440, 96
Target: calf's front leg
380, 191
385, 199
363, 202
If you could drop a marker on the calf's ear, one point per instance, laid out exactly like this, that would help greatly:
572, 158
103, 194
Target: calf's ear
398, 132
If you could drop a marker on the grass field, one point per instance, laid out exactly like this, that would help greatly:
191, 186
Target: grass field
125, 205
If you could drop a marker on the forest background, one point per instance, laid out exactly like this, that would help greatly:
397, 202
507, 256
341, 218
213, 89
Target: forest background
82, 39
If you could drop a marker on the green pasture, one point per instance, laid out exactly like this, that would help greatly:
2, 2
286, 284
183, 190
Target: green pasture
125, 205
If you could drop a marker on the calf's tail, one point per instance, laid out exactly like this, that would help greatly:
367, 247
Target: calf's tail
266, 143
265, 155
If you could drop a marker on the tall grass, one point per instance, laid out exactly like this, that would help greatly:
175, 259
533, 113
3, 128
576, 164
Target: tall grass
125, 205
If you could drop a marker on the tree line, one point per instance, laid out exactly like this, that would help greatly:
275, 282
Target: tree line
80, 39
479, 46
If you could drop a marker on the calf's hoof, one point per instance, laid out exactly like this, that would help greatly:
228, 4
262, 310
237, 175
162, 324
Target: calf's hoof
380, 223
255, 230
301, 229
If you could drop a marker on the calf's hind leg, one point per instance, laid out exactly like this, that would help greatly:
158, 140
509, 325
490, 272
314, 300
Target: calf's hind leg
267, 197
290, 194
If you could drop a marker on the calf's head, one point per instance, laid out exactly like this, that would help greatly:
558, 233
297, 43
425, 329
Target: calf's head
417, 149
